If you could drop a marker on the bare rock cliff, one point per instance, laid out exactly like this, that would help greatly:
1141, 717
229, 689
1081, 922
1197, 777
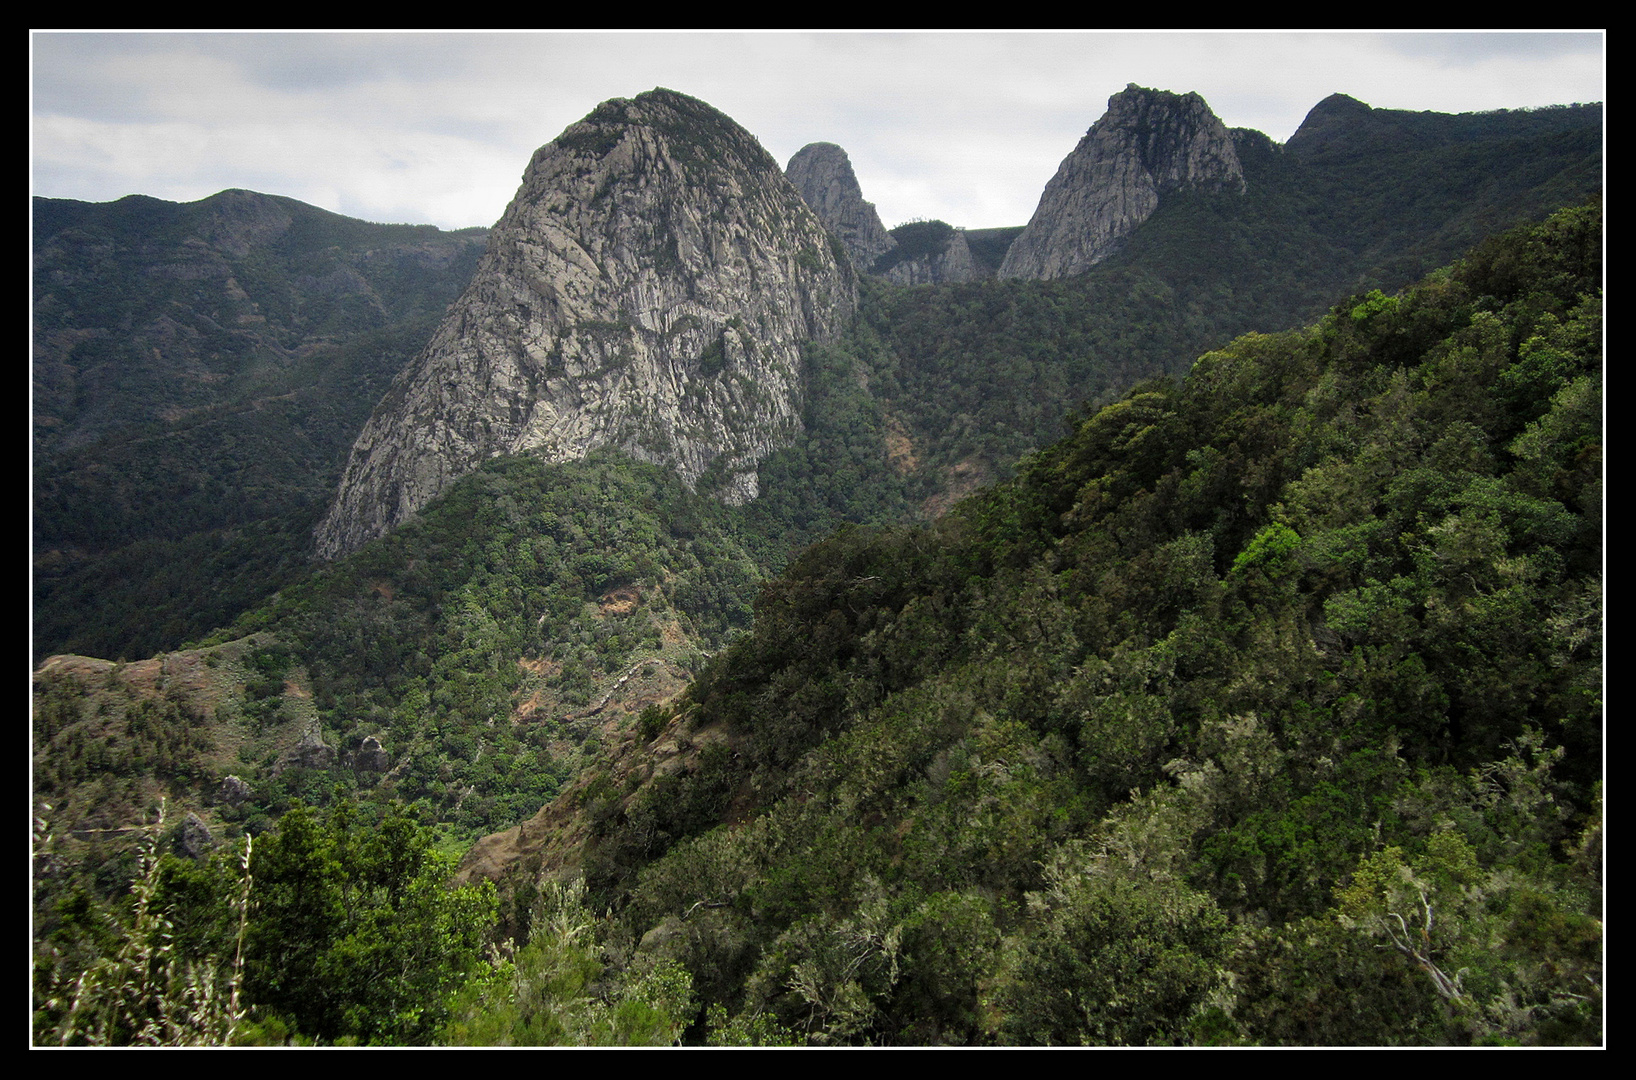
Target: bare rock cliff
823, 174
1149, 142
648, 288
951, 262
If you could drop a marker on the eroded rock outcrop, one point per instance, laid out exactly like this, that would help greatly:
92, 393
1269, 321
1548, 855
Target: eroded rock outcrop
310, 753
823, 174
939, 257
1148, 143
371, 756
233, 791
193, 839
916, 253
648, 288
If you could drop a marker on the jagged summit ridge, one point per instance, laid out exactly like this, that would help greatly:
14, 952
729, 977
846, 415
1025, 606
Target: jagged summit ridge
823, 174
1149, 142
648, 288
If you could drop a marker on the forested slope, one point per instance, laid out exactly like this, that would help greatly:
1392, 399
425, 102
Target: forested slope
199, 370
952, 384
1264, 708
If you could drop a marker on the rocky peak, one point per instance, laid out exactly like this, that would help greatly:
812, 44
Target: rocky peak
649, 288
823, 174
1149, 142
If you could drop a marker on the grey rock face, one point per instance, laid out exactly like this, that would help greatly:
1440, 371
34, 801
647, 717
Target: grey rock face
648, 288
953, 263
194, 841
1149, 142
371, 756
310, 753
823, 174
233, 791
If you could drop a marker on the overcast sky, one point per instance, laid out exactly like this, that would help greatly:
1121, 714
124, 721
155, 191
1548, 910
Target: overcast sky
966, 127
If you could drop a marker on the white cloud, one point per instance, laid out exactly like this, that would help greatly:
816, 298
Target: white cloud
438, 127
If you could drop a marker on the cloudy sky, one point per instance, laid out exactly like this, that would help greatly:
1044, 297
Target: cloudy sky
966, 127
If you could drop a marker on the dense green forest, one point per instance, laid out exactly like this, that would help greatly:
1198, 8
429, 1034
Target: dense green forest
1264, 708
1270, 697
199, 372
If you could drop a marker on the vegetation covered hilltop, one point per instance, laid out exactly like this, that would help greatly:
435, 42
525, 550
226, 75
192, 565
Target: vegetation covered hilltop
1265, 708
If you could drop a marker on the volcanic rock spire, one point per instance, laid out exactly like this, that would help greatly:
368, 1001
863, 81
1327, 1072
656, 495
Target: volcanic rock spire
649, 288
823, 174
1149, 142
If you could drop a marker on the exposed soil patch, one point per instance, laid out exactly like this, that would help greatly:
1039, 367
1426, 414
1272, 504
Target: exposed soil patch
77, 667
900, 451
145, 675
621, 601
959, 481
528, 708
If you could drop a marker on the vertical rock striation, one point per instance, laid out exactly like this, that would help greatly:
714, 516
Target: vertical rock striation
1148, 143
649, 288
823, 174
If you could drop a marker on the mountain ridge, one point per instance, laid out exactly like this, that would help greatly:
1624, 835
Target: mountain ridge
1314, 226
